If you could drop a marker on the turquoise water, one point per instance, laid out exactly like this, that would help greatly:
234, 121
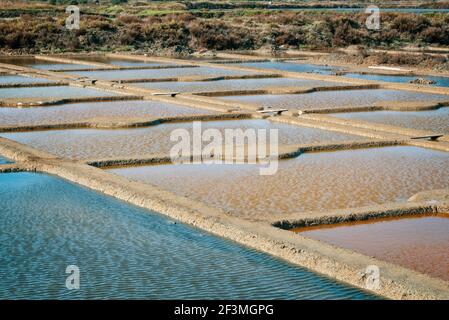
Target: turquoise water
440, 81
126, 252
292, 67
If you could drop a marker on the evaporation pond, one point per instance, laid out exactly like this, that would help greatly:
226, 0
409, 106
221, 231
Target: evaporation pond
125, 252
420, 243
44, 64
52, 92
292, 67
237, 84
158, 73
430, 120
334, 99
113, 110
14, 79
125, 143
312, 181
439, 81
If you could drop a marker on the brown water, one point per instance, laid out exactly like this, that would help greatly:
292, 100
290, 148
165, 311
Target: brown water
332, 99
312, 181
241, 84
122, 62
84, 111
434, 120
418, 243
158, 73
96, 143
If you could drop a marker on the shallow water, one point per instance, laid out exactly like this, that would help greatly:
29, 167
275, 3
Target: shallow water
243, 84
312, 181
45, 65
82, 111
329, 99
440, 81
125, 252
433, 120
3, 161
20, 79
95, 143
53, 92
60, 66
158, 73
293, 67
418, 243
123, 62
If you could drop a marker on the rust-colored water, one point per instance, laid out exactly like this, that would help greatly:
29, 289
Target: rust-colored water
312, 181
97, 143
419, 243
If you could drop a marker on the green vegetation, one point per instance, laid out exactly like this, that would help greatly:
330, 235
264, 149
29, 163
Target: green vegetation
169, 28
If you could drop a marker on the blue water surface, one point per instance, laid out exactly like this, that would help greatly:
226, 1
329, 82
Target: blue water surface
126, 252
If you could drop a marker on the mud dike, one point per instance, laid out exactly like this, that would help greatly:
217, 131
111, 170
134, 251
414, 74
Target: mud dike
33, 136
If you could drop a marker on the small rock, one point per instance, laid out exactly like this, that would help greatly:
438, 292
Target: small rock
422, 81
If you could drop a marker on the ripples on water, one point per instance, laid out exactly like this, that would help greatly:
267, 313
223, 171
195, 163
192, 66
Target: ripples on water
128, 252
312, 181
101, 143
